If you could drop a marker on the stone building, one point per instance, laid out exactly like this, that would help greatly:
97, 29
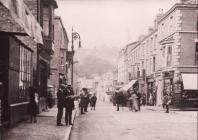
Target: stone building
43, 10
165, 60
19, 29
58, 65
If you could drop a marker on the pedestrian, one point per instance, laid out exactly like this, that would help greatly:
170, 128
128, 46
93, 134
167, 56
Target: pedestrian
82, 102
151, 99
69, 104
87, 101
130, 100
167, 101
138, 99
119, 99
60, 104
134, 98
143, 99
33, 104
93, 100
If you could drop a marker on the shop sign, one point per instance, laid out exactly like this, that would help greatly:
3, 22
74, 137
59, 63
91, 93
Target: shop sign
23, 16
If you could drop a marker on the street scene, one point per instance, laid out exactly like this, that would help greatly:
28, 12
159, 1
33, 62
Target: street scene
98, 69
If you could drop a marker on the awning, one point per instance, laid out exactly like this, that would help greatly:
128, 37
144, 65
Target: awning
24, 18
128, 86
190, 81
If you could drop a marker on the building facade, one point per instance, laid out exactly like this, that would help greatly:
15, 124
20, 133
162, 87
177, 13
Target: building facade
58, 64
19, 29
43, 10
165, 60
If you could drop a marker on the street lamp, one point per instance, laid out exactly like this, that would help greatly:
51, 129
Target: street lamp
75, 36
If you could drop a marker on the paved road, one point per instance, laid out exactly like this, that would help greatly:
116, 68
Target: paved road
108, 124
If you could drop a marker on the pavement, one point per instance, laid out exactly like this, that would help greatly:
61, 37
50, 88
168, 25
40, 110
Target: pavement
44, 129
193, 114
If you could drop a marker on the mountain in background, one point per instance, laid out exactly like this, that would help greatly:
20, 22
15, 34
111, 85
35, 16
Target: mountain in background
96, 60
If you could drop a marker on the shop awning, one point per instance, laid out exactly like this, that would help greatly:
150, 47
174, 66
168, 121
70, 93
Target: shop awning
128, 86
190, 81
21, 14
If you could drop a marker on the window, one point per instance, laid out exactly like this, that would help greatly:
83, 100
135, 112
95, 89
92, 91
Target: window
46, 20
25, 71
154, 64
61, 54
169, 56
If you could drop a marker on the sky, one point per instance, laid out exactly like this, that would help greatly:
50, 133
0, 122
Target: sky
110, 23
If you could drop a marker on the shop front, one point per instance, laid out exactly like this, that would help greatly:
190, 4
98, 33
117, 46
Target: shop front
17, 26
189, 88
151, 91
16, 76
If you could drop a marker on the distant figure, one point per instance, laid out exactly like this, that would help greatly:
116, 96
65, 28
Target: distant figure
151, 98
139, 100
167, 101
87, 101
82, 102
120, 99
33, 105
134, 98
93, 100
143, 99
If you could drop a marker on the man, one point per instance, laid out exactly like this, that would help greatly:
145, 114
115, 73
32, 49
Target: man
69, 104
82, 102
86, 95
167, 101
60, 105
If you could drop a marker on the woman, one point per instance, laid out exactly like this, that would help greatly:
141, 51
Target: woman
33, 105
134, 99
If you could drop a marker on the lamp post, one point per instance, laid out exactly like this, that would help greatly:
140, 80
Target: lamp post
75, 36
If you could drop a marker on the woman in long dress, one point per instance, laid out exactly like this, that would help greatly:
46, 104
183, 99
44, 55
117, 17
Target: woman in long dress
134, 98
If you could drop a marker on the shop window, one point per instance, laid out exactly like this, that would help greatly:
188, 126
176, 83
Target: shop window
24, 72
46, 21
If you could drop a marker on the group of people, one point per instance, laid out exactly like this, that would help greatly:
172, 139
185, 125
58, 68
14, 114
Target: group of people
136, 99
65, 99
85, 100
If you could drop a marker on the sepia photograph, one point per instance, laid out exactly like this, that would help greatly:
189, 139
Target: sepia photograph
98, 69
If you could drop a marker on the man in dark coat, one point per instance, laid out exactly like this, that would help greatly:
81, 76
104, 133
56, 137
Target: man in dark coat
82, 103
60, 105
120, 99
69, 104
86, 96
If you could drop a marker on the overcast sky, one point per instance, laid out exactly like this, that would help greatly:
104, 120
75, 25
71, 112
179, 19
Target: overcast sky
112, 23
